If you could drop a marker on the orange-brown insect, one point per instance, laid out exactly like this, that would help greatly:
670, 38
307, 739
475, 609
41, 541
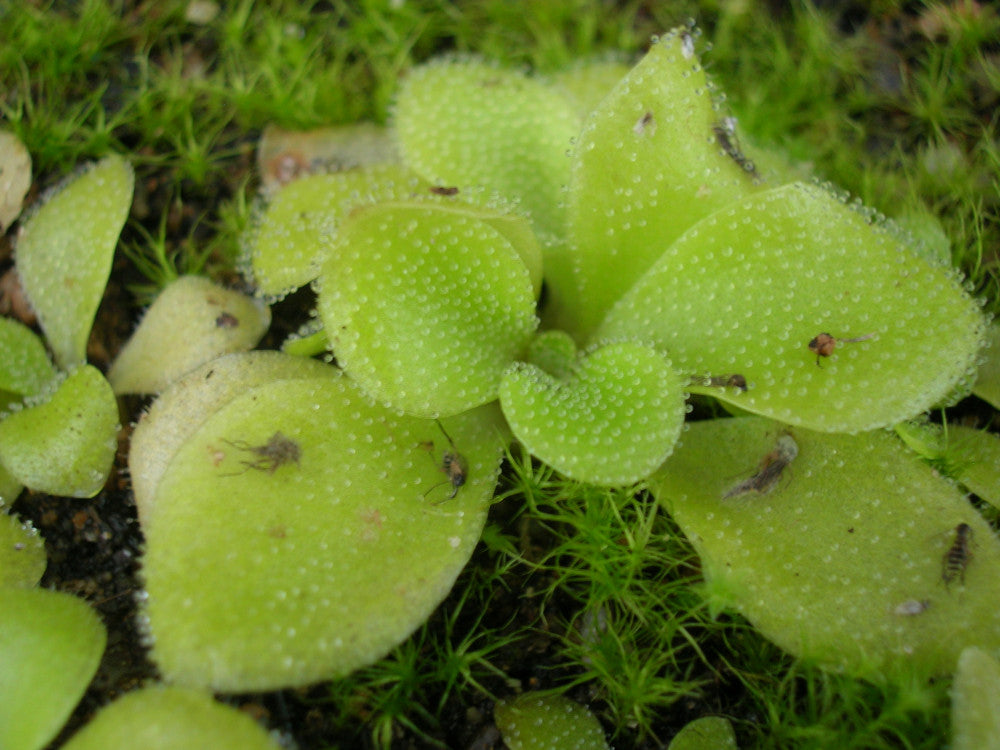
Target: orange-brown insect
824, 344
770, 469
442, 190
725, 136
277, 451
956, 559
453, 464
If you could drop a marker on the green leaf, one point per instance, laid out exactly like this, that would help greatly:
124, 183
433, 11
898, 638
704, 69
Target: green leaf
848, 557
15, 177
22, 553
969, 456
66, 444
181, 409
191, 322
647, 165
287, 247
987, 385
171, 718
50, 646
64, 253
536, 721
426, 305
300, 532
10, 487
614, 421
24, 367
706, 733
747, 289
473, 124
975, 696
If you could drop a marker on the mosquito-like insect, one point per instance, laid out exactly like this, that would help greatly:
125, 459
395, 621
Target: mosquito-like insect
725, 136
956, 559
453, 464
443, 190
824, 344
277, 451
770, 469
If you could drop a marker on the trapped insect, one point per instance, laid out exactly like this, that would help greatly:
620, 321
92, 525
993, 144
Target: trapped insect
725, 136
770, 469
277, 451
444, 190
956, 559
644, 122
453, 464
824, 344
728, 381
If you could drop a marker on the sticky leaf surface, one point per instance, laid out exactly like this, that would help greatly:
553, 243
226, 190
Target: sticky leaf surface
301, 532
535, 721
192, 321
286, 249
613, 421
171, 718
24, 366
65, 445
183, 407
975, 701
471, 123
15, 177
50, 646
22, 553
706, 733
426, 306
647, 165
747, 289
64, 253
844, 558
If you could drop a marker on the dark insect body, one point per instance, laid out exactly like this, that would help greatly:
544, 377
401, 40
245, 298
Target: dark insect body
956, 559
453, 464
442, 190
771, 467
642, 123
227, 320
725, 136
277, 451
824, 344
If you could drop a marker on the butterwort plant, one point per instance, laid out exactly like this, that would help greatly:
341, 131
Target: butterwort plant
567, 264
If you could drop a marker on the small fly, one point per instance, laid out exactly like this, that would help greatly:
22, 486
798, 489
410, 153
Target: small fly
770, 469
725, 136
453, 464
